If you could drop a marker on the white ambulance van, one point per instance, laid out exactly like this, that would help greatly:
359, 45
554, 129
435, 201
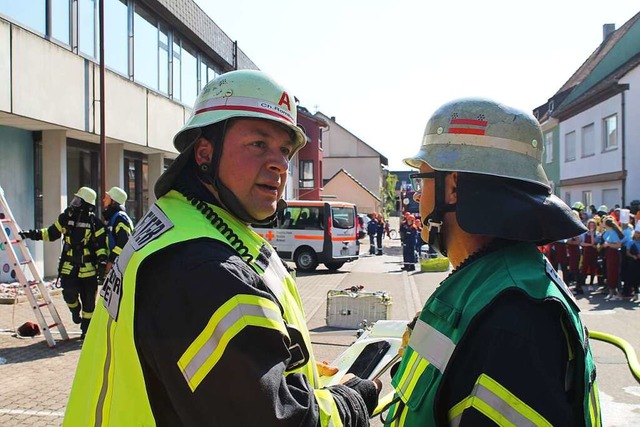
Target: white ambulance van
312, 232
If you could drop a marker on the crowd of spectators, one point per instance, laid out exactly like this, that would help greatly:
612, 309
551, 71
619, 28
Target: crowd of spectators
607, 254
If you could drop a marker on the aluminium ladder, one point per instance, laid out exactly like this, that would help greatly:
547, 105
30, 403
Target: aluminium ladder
12, 230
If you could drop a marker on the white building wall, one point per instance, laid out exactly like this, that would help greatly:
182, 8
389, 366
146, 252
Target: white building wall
42, 71
601, 162
632, 134
5, 66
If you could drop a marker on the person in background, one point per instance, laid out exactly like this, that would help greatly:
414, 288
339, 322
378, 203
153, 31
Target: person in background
611, 243
409, 247
379, 234
119, 225
372, 229
200, 322
387, 228
632, 281
83, 259
589, 266
500, 341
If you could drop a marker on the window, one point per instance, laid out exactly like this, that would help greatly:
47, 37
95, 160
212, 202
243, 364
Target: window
145, 48
30, 13
588, 141
60, 18
570, 147
587, 198
343, 217
301, 217
189, 75
87, 27
163, 60
610, 197
306, 174
567, 198
177, 55
83, 167
548, 147
136, 182
116, 36
207, 72
610, 137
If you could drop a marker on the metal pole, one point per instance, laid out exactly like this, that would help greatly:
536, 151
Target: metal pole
103, 142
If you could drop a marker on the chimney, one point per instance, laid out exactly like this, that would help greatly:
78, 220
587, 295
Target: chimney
607, 30
333, 118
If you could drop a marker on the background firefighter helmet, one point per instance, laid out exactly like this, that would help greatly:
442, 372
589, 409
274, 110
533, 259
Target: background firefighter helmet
577, 206
237, 94
498, 150
483, 136
118, 195
87, 194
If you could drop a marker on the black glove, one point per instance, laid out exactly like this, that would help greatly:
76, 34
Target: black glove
101, 270
31, 234
367, 390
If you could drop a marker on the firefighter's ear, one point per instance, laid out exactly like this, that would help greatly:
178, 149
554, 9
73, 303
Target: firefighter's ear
451, 188
203, 153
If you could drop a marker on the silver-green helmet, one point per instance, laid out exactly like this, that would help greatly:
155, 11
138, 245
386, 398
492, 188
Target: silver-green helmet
241, 94
237, 94
482, 136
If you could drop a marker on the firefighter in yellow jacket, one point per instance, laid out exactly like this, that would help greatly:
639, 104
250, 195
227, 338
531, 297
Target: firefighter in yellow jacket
500, 341
200, 322
84, 254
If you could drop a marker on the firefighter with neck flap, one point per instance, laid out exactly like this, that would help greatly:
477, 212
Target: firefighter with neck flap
84, 254
500, 341
200, 323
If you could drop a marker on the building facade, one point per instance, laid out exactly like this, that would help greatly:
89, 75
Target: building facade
592, 137
158, 54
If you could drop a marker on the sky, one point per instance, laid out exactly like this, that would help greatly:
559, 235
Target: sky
383, 67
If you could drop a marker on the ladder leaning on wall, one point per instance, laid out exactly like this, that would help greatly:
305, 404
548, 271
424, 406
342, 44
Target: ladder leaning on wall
10, 237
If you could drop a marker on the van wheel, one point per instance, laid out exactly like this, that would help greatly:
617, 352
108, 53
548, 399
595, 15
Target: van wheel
306, 259
333, 266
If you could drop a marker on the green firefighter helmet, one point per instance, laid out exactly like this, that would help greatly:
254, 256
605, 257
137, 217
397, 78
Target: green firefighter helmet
241, 94
118, 195
87, 194
482, 136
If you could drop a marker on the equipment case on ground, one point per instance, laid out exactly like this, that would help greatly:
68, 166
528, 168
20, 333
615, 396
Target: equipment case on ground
350, 308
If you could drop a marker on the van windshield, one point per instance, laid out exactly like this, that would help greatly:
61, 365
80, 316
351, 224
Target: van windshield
343, 217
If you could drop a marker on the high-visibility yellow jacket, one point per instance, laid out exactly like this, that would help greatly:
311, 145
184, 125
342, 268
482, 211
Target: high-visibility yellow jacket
216, 334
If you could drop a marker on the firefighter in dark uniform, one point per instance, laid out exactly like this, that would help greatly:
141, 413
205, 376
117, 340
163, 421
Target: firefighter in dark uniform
119, 225
199, 321
500, 341
84, 254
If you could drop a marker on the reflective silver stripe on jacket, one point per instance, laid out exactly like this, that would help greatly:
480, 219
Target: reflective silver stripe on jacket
208, 348
432, 344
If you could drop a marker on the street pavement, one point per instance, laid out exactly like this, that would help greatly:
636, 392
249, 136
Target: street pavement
35, 380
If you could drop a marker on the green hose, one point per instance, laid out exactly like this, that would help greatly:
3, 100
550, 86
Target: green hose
632, 359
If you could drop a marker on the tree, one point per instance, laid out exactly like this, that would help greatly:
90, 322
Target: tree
389, 194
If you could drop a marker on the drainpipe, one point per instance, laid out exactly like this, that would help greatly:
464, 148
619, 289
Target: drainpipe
103, 142
624, 148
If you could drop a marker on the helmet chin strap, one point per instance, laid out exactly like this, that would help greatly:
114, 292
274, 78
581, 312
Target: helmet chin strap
435, 220
210, 175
